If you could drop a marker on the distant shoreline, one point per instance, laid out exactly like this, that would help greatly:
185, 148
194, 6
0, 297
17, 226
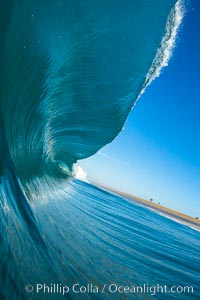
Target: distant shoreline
180, 217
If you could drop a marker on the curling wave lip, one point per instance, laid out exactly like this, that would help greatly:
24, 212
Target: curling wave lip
68, 65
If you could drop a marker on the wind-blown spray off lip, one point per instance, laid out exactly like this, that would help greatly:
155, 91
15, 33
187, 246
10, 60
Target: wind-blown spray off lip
70, 73
165, 50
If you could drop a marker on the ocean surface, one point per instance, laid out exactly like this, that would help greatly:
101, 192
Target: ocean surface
70, 72
88, 236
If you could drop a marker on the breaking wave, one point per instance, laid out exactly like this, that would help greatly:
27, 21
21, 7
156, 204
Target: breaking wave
70, 72
167, 46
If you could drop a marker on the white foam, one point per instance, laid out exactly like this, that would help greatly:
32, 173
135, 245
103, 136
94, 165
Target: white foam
79, 173
167, 46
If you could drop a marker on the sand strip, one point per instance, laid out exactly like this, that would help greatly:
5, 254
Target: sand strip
182, 218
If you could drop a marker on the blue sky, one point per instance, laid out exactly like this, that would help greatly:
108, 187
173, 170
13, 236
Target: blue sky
158, 153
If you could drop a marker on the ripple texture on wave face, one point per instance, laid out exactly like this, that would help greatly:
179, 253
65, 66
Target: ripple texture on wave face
70, 72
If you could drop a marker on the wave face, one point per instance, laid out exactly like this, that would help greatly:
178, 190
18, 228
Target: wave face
70, 72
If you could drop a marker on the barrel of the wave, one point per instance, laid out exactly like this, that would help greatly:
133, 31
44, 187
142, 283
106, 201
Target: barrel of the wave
70, 74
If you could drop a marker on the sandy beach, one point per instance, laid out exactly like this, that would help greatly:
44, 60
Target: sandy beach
180, 217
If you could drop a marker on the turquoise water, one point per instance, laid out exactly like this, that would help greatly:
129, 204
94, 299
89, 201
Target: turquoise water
70, 72
88, 236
